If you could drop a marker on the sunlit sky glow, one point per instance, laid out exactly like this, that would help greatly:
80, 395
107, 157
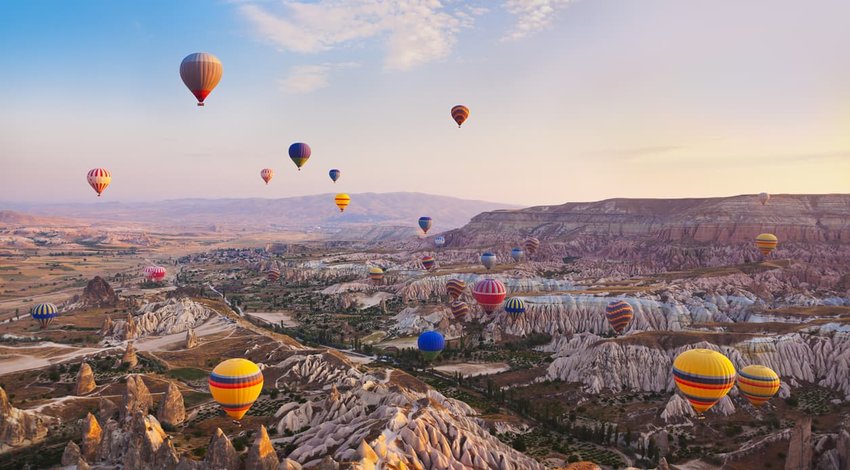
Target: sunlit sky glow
571, 100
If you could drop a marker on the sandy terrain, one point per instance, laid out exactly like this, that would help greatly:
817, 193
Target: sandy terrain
472, 369
275, 318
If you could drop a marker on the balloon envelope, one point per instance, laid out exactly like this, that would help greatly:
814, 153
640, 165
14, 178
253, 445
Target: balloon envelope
99, 179
459, 309
428, 262
515, 306
235, 384
376, 274
273, 273
425, 223
488, 260
531, 245
766, 243
44, 313
758, 384
489, 293
460, 113
763, 198
439, 241
154, 273
342, 201
430, 344
517, 254
201, 72
619, 314
703, 376
267, 174
334, 174
455, 287
299, 153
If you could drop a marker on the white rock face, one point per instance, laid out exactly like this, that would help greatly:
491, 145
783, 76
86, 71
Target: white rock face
164, 318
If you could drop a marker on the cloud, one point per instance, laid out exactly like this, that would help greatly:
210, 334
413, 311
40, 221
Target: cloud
414, 32
532, 16
309, 78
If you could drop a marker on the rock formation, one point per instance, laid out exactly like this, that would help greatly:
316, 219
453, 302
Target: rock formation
287, 464
220, 452
129, 357
106, 409
92, 437
261, 455
85, 380
71, 454
171, 409
137, 397
147, 445
82, 464
800, 448
191, 339
175, 315
107, 326
582, 466
98, 293
843, 447
18, 427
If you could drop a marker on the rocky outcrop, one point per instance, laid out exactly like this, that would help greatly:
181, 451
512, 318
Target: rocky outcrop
85, 380
800, 448
843, 447
71, 454
129, 359
98, 293
171, 408
584, 466
288, 464
261, 455
192, 340
137, 397
107, 327
92, 437
220, 453
106, 409
175, 315
82, 464
147, 445
20, 428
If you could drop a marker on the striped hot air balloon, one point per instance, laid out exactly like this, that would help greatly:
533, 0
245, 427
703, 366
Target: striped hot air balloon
515, 306
517, 254
619, 314
334, 174
235, 384
455, 287
267, 174
425, 223
154, 273
489, 293
99, 179
44, 313
431, 344
201, 72
342, 201
299, 153
439, 241
460, 309
758, 384
272, 273
460, 113
531, 245
376, 275
703, 376
488, 259
428, 262
766, 243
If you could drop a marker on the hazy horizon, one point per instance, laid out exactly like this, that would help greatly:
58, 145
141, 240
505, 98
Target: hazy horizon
570, 101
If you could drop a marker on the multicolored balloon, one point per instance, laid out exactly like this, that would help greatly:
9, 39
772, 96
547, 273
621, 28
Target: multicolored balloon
44, 313
515, 306
488, 259
766, 243
455, 288
763, 198
334, 174
299, 152
460, 309
201, 72
439, 241
489, 293
619, 314
267, 174
154, 273
758, 384
517, 254
376, 275
428, 262
273, 273
235, 384
425, 223
99, 179
460, 113
703, 376
431, 344
342, 201
531, 245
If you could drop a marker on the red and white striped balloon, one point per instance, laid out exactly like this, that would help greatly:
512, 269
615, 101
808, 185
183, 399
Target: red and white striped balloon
99, 179
489, 293
154, 273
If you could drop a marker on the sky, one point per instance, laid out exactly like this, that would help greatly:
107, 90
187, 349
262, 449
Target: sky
570, 100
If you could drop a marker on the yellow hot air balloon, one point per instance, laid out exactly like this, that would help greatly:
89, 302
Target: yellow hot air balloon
758, 384
235, 384
342, 200
703, 376
766, 243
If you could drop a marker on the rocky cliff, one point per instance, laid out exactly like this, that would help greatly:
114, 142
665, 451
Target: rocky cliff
159, 318
20, 428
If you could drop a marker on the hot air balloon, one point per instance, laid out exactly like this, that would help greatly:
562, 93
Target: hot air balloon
299, 152
758, 384
99, 179
459, 309
44, 313
273, 273
459, 114
376, 274
763, 198
703, 376
455, 288
439, 241
235, 384
488, 259
517, 254
489, 293
425, 223
154, 273
619, 314
342, 201
428, 262
766, 243
531, 245
201, 72
267, 174
334, 174
515, 306
431, 343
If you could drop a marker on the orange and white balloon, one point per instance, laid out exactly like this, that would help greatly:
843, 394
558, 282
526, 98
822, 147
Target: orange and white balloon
267, 174
99, 179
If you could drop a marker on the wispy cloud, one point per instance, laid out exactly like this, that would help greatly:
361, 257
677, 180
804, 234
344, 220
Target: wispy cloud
309, 78
414, 32
532, 16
